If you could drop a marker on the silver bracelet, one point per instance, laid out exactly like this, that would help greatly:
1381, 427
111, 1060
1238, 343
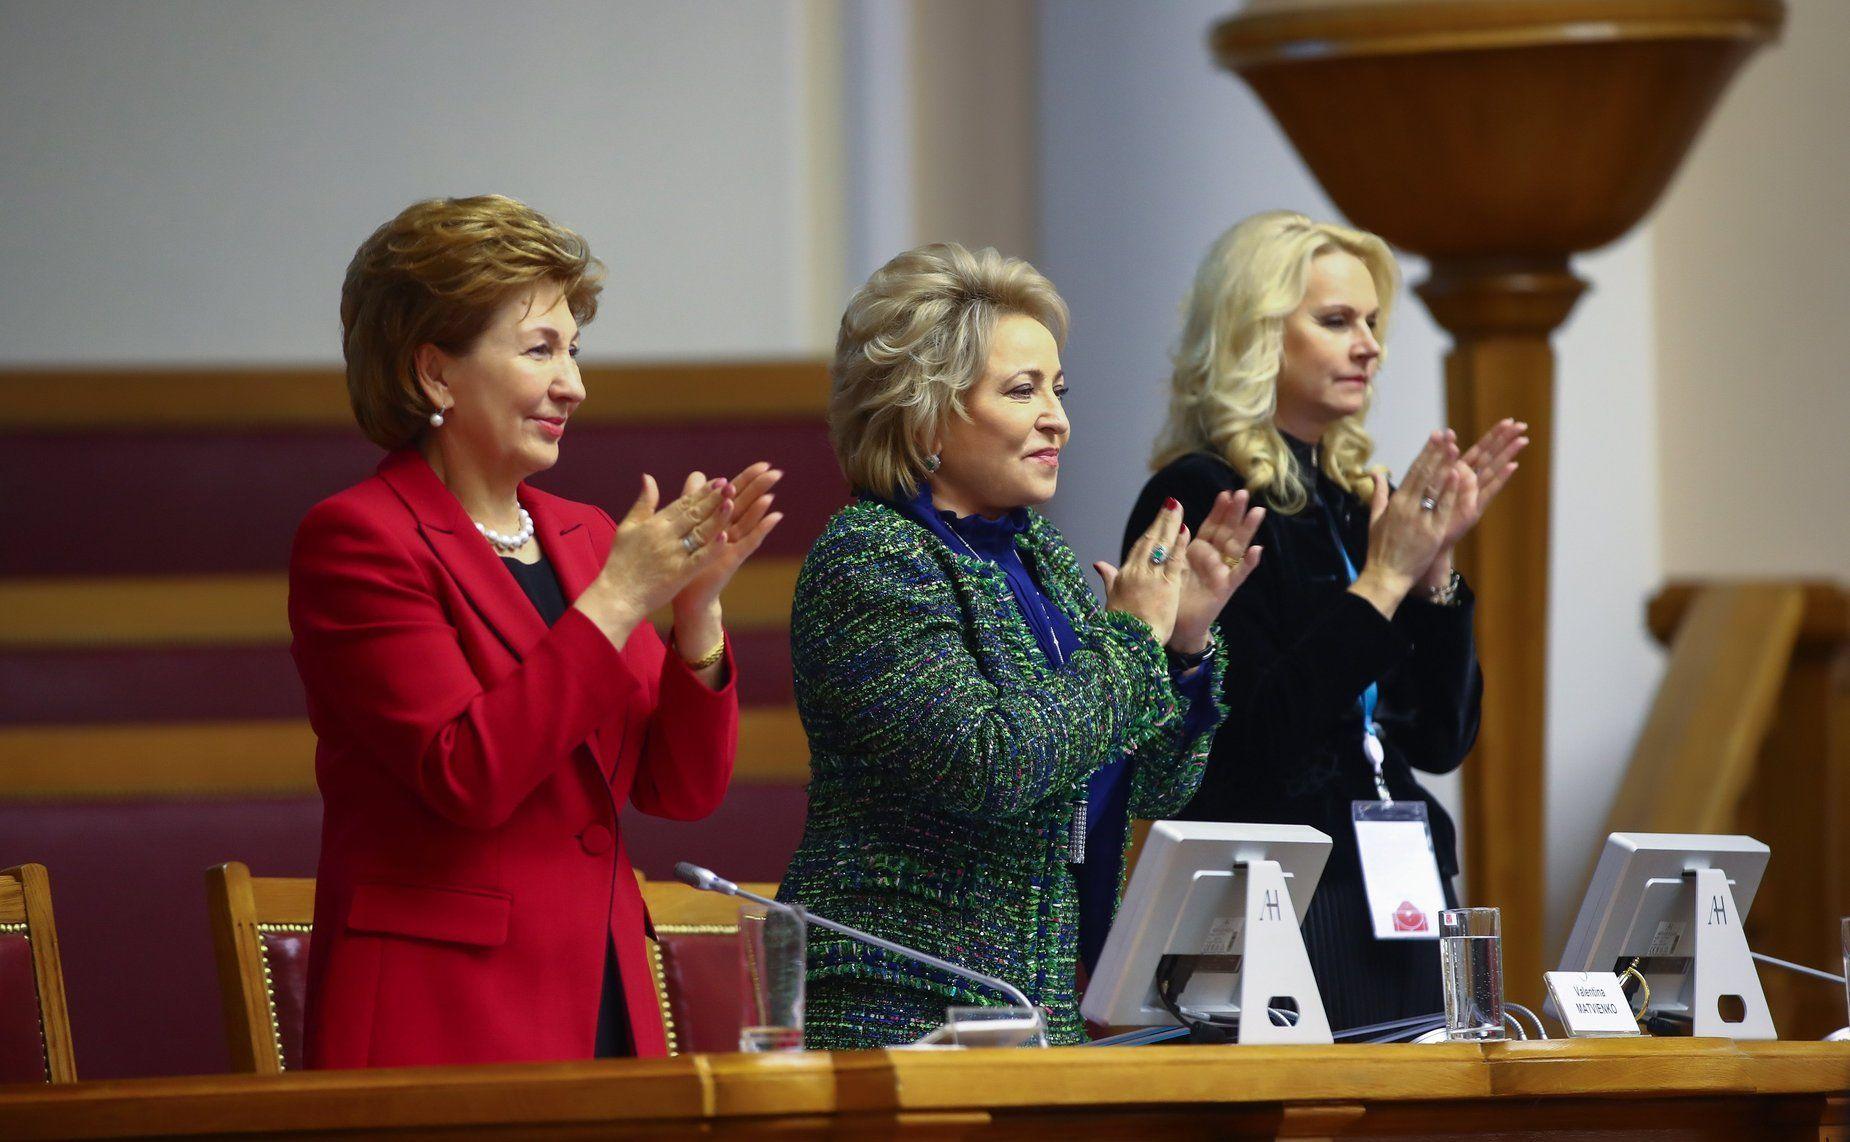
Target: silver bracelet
1448, 594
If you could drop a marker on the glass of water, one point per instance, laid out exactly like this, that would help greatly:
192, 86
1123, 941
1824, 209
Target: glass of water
772, 958
1471, 964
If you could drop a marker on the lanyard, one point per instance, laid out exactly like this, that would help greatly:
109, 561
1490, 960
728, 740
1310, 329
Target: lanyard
1371, 730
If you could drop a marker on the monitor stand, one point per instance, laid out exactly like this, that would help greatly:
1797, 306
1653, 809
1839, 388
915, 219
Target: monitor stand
1725, 979
1274, 964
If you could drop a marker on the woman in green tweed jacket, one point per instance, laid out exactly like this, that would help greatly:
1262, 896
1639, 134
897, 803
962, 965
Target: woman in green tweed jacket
981, 728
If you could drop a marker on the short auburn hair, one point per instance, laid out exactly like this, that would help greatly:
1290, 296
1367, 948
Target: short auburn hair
435, 275
912, 342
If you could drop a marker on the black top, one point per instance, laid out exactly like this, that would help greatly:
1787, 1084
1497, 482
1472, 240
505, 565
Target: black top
1302, 649
612, 1039
541, 585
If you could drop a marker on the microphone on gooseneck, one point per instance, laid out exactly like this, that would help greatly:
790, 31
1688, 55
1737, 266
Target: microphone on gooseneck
708, 881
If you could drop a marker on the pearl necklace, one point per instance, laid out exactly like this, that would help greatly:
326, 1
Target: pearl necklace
510, 543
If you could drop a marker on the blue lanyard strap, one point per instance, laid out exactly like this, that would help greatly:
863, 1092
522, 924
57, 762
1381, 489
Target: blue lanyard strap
1370, 695
1371, 733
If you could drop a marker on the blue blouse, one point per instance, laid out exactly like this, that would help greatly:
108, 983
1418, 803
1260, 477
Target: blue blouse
1108, 791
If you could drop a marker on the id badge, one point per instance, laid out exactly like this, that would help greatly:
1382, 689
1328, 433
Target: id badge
1399, 868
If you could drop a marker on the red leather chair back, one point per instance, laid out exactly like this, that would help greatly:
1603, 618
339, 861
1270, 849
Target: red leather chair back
285, 965
697, 977
22, 1046
260, 932
35, 1027
698, 984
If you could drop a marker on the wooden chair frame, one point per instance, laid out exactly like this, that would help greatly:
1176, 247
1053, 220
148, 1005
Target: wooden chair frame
25, 908
243, 908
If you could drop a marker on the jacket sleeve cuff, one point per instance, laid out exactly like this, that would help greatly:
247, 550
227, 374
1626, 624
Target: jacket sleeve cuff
1417, 617
1200, 696
681, 684
1147, 665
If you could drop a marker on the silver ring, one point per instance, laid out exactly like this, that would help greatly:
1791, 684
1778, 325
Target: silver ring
1428, 504
688, 541
1159, 555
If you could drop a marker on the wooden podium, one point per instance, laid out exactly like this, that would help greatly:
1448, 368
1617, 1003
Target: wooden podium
1497, 138
1664, 1089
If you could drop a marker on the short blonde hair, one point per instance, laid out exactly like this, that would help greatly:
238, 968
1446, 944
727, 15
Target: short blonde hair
435, 275
1224, 387
912, 342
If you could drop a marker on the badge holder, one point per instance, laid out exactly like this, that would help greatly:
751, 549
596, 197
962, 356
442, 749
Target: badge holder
1271, 971
1725, 978
1400, 870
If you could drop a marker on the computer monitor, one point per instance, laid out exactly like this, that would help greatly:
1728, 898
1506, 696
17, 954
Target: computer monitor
1641, 908
1187, 899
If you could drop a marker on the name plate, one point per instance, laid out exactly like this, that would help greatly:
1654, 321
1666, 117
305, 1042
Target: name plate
1591, 1003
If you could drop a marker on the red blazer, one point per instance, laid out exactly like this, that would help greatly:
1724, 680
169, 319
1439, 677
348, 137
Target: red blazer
471, 765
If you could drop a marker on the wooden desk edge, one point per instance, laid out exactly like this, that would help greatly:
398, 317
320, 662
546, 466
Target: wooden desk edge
691, 1089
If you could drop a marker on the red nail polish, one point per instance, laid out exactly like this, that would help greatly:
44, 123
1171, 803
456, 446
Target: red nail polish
1170, 504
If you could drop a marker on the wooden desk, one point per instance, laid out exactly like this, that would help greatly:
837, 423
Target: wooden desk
1662, 1089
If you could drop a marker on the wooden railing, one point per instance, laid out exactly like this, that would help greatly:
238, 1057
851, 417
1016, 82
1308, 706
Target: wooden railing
1750, 733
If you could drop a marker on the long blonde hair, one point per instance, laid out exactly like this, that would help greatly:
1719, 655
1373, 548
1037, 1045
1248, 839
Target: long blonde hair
1223, 392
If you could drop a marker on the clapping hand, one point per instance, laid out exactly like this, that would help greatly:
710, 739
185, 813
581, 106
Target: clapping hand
1491, 461
1149, 584
1407, 528
684, 554
656, 552
1219, 560
749, 522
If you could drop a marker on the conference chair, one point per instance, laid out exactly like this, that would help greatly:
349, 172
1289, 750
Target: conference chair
695, 958
35, 1028
260, 931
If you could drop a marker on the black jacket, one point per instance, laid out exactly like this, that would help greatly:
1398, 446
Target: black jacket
1301, 650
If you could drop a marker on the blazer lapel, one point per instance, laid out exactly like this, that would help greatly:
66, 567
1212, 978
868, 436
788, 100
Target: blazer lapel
451, 535
576, 561
567, 543
1059, 574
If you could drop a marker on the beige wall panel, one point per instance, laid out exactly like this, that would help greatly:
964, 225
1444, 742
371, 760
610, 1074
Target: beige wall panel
1752, 268
975, 126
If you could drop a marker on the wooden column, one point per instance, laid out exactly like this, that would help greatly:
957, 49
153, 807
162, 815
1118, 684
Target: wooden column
1502, 364
1497, 140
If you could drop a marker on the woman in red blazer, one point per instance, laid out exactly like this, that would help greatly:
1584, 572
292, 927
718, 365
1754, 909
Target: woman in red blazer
484, 684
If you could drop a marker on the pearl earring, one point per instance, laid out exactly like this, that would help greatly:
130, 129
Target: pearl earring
932, 462
436, 418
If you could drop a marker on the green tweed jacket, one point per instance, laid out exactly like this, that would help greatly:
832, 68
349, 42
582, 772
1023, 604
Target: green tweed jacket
946, 758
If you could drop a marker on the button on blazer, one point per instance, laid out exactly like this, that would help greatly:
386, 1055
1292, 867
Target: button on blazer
472, 763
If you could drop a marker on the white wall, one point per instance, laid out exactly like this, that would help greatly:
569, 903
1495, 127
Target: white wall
185, 182
1604, 562
1750, 261
940, 117
1147, 153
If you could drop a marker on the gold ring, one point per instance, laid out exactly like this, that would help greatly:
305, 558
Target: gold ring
1233, 561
